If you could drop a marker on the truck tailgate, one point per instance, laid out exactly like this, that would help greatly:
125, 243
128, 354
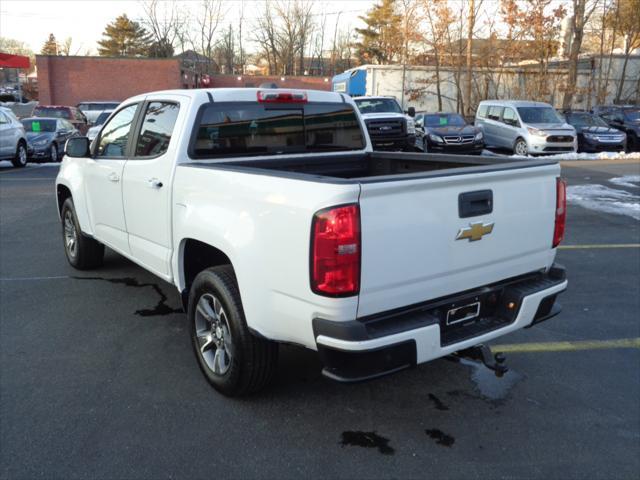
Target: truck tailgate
409, 227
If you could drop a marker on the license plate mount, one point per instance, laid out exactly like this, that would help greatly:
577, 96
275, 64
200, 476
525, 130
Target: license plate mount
463, 313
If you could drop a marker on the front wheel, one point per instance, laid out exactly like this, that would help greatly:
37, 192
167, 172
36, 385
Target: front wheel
82, 252
20, 159
53, 153
235, 361
521, 148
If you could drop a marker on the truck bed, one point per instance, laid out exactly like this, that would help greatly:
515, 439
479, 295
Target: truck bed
378, 166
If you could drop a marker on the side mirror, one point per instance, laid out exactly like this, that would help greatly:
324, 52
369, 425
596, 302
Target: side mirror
77, 147
411, 112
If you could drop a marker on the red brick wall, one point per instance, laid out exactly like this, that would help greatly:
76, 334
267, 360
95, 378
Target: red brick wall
70, 80
310, 83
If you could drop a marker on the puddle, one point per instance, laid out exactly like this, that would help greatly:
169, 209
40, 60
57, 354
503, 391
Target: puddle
367, 440
488, 385
437, 402
161, 308
440, 437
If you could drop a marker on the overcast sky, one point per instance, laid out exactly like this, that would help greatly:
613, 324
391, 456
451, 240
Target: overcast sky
31, 21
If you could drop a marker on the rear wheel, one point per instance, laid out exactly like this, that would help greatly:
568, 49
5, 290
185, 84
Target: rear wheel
520, 148
20, 159
82, 252
235, 361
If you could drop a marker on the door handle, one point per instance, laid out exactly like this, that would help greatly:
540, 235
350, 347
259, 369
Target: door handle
113, 177
154, 183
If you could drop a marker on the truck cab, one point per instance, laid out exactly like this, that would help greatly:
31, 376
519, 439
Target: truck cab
388, 126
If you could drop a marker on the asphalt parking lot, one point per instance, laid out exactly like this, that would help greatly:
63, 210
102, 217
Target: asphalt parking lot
98, 378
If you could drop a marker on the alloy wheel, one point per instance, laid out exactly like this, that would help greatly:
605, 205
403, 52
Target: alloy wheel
22, 155
213, 335
70, 234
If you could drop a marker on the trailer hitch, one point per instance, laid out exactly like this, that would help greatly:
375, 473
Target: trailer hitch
483, 353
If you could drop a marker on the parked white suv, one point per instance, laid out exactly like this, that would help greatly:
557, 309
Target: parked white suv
276, 222
13, 139
526, 128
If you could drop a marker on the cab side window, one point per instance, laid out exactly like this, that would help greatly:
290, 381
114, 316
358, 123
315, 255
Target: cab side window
157, 127
509, 117
115, 134
494, 112
3, 119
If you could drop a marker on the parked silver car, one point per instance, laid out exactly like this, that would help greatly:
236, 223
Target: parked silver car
526, 128
92, 110
13, 140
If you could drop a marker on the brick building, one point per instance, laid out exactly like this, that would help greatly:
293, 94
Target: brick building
69, 80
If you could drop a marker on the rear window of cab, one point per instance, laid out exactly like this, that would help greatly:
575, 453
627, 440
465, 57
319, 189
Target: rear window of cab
248, 128
55, 112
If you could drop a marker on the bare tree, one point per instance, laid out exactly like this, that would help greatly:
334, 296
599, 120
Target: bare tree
582, 10
283, 32
163, 21
65, 47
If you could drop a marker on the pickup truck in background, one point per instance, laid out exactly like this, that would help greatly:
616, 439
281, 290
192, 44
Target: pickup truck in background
271, 215
388, 126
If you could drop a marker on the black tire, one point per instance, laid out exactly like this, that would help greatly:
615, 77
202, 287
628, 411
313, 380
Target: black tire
86, 252
53, 153
632, 143
251, 360
20, 159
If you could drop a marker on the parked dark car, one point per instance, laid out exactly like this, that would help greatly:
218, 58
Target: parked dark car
625, 118
71, 114
47, 136
447, 133
594, 134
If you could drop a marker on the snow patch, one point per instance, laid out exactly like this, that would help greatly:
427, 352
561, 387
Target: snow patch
8, 164
574, 156
631, 181
605, 199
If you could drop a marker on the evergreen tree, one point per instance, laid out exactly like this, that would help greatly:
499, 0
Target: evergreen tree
161, 49
381, 41
123, 38
50, 47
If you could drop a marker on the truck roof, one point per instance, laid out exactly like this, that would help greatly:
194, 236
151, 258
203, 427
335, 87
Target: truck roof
515, 103
245, 94
373, 97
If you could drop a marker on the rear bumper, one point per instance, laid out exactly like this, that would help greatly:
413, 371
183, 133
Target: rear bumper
381, 344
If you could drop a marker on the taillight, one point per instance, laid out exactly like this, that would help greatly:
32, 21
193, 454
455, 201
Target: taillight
335, 251
561, 211
281, 97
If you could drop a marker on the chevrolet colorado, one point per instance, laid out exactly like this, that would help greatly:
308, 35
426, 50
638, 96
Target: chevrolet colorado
269, 212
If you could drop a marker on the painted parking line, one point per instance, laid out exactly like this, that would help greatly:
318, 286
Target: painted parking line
568, 346
600, 245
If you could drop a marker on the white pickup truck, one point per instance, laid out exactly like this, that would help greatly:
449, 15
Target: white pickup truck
269, 212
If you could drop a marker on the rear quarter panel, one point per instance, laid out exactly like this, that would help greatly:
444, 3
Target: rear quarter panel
262, 223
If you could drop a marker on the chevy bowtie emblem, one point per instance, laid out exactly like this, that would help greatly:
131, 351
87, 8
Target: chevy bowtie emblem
475, 231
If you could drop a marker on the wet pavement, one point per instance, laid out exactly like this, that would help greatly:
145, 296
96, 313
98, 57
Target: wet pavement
98, 379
